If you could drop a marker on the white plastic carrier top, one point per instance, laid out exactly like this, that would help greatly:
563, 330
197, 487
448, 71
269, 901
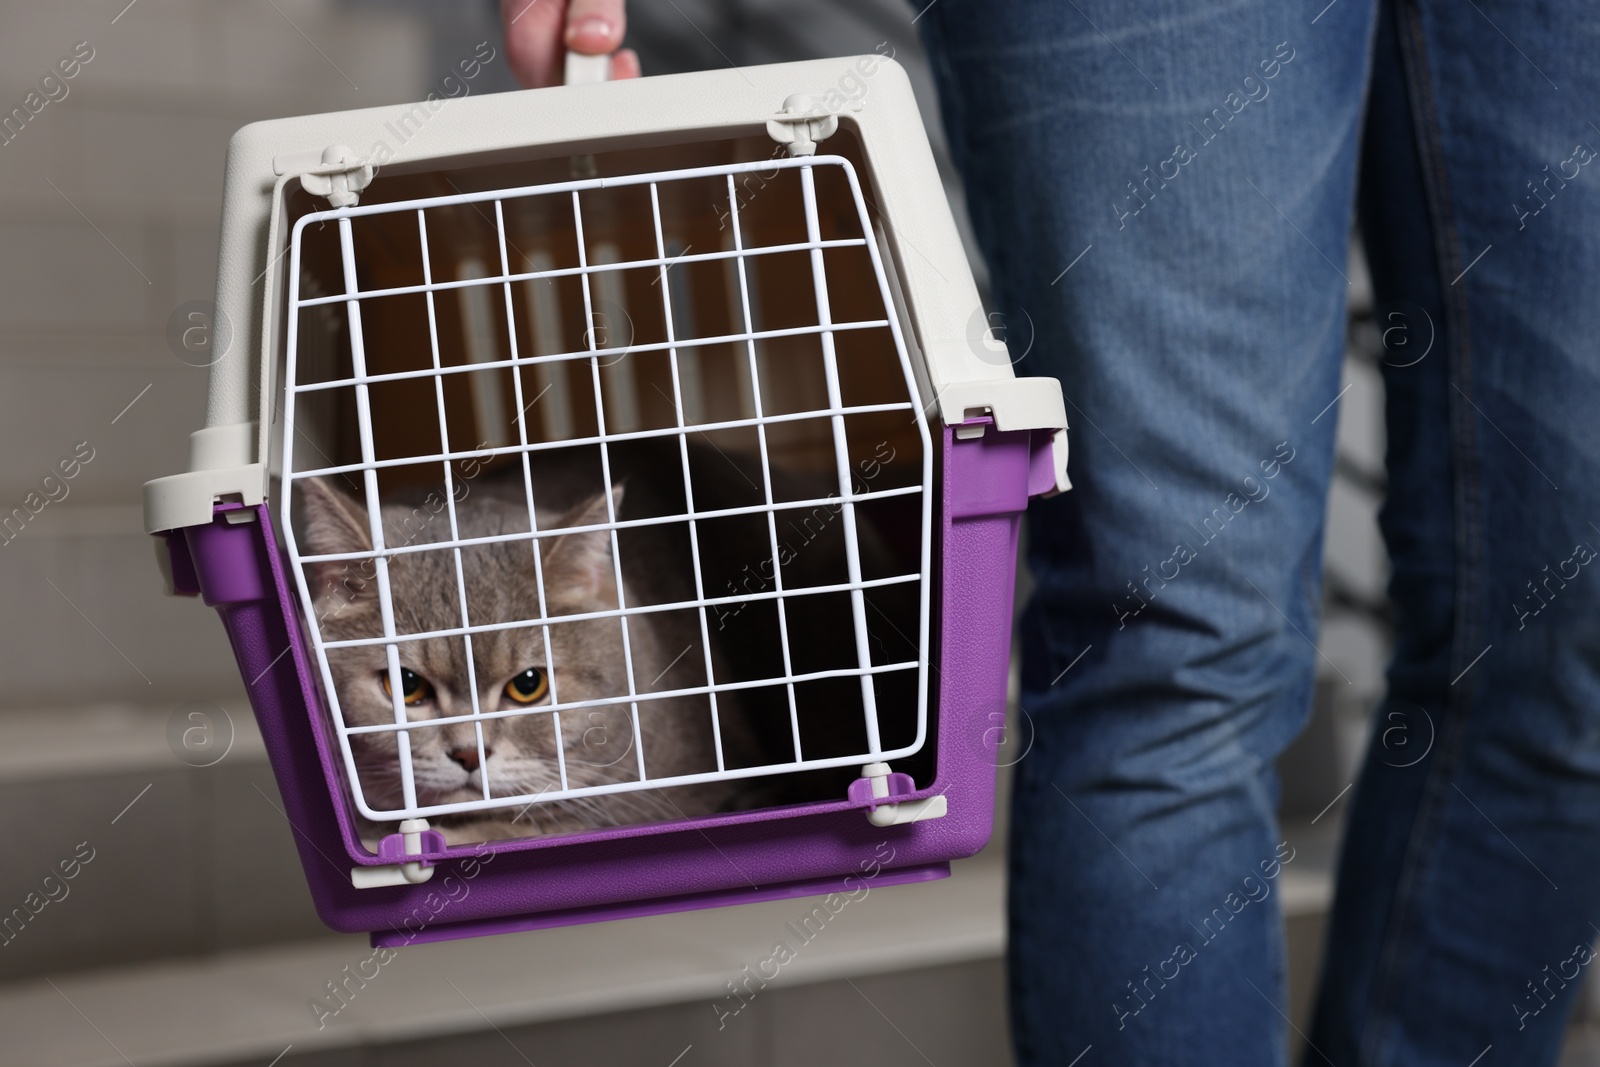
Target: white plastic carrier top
963, 370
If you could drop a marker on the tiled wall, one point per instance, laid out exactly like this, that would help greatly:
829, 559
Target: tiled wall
185, 860
109, 202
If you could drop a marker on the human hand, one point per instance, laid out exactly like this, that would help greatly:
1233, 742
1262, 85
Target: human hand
539, 33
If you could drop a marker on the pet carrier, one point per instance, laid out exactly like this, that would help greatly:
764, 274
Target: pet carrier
702, 349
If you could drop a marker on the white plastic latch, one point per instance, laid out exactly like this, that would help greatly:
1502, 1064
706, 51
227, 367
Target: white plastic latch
397, 873
1058, 462
337, 174
801, 124
900, 812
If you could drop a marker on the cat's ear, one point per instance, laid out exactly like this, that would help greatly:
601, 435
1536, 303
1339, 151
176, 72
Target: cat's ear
334, 522
580, 564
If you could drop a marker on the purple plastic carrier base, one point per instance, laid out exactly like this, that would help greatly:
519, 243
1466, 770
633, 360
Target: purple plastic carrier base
816, 887
235, 564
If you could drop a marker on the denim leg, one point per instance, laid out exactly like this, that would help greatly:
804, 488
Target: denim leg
1470, 880
1163, 192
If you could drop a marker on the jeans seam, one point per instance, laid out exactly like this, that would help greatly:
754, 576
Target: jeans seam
1422, 845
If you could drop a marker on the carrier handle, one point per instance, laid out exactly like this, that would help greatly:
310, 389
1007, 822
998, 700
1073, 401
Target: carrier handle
586, 69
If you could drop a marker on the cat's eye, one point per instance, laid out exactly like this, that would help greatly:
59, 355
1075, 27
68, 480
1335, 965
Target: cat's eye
413, 685
528, 687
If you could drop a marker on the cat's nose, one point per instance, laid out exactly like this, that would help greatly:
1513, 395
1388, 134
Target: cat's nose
468, 756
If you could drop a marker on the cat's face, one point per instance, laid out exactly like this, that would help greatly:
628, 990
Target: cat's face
515, 669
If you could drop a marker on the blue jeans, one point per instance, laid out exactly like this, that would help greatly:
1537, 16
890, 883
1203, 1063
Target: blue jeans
1164, 192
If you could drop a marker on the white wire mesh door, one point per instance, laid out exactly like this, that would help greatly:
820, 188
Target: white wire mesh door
414, 563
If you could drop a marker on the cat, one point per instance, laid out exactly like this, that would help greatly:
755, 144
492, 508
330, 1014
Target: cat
514, 668
586, 660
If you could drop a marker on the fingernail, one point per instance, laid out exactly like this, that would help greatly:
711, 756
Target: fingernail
590, 26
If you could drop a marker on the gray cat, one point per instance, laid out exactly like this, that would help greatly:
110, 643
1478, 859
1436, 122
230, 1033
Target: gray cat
514, 667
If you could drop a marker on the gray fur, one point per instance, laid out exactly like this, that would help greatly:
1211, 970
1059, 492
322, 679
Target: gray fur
586, 661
